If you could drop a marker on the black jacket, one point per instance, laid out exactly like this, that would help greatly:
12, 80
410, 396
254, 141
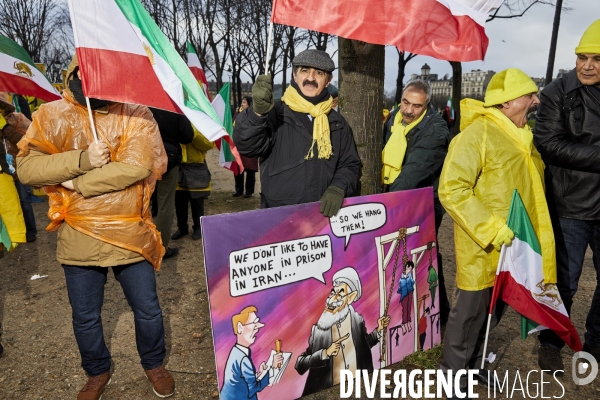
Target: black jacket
320, 372
175, 129
569, 142
282, 139
427, 146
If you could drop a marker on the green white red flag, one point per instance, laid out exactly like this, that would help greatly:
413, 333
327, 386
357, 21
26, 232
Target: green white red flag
125, 57
18, 73
222, 107
520, 279
193, 63
450, 109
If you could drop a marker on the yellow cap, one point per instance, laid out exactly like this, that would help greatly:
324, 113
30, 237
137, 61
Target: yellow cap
508, 85
590, 41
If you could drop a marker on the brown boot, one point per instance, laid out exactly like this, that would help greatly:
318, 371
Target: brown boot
93, 388
162, 381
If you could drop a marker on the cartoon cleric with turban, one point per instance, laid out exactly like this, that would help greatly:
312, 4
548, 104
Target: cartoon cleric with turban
340, 339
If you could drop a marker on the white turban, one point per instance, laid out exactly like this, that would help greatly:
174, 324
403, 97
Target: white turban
349, 276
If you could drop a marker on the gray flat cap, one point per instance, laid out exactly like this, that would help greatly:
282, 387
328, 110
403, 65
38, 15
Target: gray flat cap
314, 58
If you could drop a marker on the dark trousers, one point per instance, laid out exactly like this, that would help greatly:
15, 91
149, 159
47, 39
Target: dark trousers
164, 196
572, 238
443, 299
85, 286
465, 331
250, 182
28, 216
182, 198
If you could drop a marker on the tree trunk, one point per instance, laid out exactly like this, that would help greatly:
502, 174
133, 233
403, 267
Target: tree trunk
361, 73
456, 94
400, 78
284, 72
239, 89
553, 40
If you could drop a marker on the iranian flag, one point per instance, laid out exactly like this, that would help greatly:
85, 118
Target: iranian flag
125, 57
520, 280
193, 63
445, 29
222, 107
19, 74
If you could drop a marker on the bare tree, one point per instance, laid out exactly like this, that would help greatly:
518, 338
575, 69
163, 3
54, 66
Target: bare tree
318, 40
29, 23
403, 59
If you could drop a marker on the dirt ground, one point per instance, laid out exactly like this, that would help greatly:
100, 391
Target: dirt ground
41, 360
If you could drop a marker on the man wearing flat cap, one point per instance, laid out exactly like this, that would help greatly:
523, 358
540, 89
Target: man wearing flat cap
306, 149
339, 340
567, 135
491, 157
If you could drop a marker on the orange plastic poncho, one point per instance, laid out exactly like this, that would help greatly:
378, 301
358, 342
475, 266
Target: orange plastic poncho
121, 218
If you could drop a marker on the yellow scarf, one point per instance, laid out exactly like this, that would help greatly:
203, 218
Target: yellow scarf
395, 149
321, 133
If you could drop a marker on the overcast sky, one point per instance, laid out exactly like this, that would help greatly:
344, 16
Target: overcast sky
518, 42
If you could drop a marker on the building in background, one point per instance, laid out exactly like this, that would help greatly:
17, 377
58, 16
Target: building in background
474, 83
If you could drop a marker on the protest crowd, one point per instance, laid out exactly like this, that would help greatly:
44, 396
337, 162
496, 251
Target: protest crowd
115, 186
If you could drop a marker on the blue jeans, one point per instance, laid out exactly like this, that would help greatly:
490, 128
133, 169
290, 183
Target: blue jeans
85, 286
28, 215
572, 237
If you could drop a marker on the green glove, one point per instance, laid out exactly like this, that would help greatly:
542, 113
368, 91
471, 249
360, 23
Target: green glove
504, 236
331, 201
3, 122
262, 94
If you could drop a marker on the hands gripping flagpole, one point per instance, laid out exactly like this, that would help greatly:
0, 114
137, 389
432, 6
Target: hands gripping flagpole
87, 101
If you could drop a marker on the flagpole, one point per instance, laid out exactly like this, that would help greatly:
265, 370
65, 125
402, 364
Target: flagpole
268, 47
487, 330
87, 101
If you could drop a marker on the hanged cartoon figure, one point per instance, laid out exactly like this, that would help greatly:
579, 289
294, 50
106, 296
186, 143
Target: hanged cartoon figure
405, 289
432, 278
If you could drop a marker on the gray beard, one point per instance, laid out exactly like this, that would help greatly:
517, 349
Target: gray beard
327, 319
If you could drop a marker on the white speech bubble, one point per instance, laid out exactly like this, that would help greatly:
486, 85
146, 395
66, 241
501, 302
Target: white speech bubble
358, 219
277, 264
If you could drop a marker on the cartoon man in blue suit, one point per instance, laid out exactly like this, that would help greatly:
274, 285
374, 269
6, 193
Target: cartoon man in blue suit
241, 378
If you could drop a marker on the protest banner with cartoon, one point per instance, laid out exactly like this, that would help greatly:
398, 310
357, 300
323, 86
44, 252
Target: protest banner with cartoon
296, 297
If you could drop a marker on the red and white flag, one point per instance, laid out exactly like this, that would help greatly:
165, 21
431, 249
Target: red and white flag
445, 29
125, 57
194, 63
520, 279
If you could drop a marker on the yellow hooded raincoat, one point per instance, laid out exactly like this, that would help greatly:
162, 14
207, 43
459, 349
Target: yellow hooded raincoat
488, 160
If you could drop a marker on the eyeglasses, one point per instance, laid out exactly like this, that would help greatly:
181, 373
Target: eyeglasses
337, 296
256, 321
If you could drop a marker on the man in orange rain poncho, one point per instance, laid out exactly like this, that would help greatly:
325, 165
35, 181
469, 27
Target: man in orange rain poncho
99, 196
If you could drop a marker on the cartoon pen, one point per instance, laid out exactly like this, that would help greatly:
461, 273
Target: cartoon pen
278, 349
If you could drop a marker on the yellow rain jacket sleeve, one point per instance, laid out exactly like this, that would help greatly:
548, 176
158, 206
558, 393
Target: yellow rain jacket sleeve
10, 211
111, 203
485, 163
